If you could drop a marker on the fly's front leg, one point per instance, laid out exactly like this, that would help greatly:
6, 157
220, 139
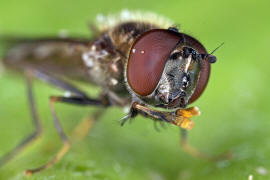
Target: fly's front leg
66, 144
35, 120
179, 117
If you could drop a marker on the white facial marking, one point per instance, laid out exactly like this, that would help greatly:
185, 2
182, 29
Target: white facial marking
188, 63
164, 87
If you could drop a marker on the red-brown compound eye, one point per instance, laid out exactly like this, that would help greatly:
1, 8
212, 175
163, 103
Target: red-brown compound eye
147, 59
205, 67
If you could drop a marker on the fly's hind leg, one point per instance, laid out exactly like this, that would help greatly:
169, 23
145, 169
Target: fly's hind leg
35, 120
66, 144
197, 153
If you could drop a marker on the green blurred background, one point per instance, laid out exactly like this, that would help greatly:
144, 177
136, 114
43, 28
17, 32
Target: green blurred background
235, 109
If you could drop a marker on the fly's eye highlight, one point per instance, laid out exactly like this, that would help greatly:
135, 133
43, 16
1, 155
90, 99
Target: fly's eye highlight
147, 59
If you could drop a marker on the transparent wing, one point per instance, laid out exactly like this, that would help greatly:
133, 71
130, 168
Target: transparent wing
55, 56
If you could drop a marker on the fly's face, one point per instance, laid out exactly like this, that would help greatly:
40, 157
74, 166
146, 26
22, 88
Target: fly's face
179, 78
167, 69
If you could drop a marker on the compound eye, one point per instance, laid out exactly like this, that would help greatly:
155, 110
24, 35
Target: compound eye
147, 59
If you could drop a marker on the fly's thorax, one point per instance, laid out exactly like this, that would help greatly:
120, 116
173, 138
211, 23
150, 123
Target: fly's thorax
124, 35
106, 57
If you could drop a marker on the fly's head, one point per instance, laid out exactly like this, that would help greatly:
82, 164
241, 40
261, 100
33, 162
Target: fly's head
167, 69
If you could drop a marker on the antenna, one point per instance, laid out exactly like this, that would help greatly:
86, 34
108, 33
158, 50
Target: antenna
211, 58
217, 48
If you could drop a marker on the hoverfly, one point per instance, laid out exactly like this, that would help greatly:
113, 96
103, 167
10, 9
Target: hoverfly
139, 63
